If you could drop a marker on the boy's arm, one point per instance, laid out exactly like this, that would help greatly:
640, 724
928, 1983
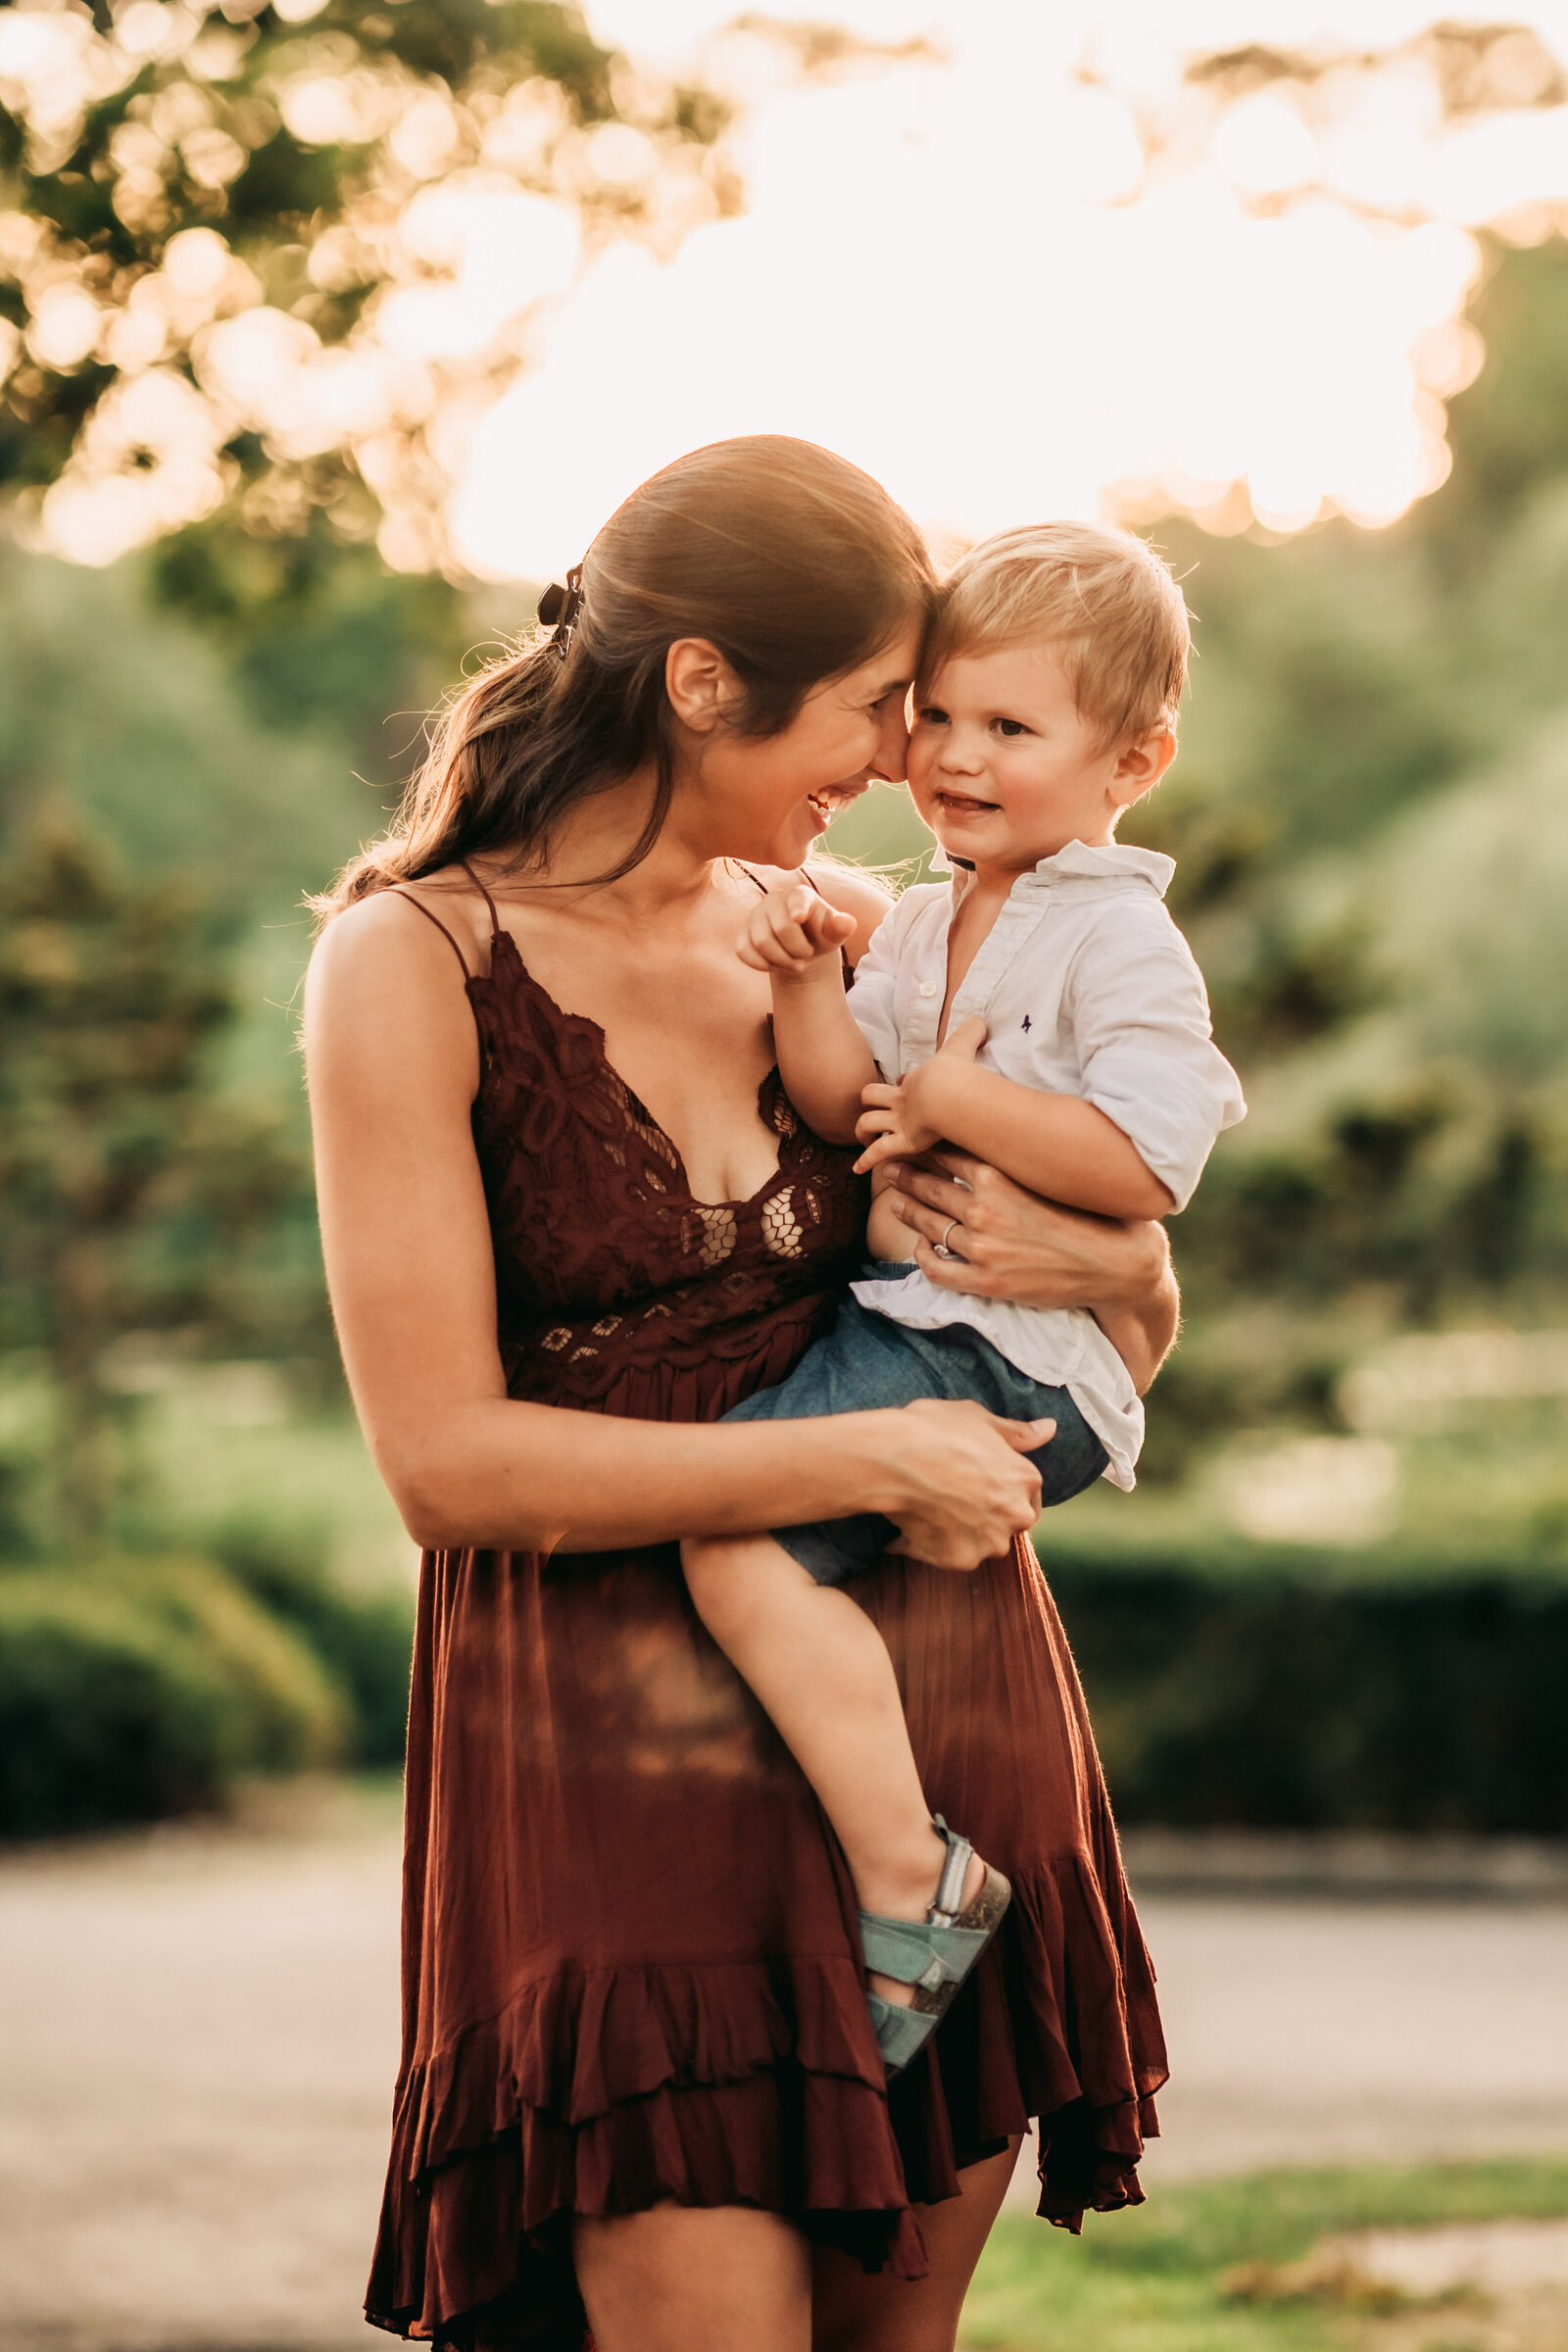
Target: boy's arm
824, 1061
1157, 1090
886, 1233
1054, 1145
797, 937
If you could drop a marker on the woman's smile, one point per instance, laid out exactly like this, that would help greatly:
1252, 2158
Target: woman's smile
829, 801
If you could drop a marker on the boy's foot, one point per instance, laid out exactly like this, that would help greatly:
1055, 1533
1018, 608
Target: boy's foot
924, 1962
909, 1894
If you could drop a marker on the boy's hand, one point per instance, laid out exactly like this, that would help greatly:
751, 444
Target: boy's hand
898, 1122
790, 931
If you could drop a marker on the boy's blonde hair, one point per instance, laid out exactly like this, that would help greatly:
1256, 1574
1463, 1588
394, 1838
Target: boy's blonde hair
1103, 598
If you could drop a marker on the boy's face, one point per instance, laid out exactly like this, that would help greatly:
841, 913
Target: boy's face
1006, 770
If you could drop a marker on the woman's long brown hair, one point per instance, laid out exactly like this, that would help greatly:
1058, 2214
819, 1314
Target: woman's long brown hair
793, 563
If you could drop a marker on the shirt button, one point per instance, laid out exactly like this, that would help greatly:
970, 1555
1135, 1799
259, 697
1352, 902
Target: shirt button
928, 987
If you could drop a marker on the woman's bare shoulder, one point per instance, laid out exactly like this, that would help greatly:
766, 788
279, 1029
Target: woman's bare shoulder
381, 932
386, 988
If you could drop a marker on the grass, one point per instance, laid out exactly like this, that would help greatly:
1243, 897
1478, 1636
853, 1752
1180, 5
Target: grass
1152, 2281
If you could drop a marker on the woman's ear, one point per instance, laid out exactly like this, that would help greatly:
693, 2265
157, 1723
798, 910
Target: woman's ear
703, 688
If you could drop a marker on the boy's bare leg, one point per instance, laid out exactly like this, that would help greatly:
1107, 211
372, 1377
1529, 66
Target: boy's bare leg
821, 1669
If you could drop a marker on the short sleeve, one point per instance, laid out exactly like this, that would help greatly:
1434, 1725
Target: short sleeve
1144, 1044
871, 998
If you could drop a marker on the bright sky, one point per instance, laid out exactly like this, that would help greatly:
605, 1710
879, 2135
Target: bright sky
1024, 269
966, 275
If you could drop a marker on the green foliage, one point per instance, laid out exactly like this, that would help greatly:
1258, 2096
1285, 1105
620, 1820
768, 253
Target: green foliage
1271, 1689
1510, 434
126, 1186
1163, 2277
133, 719
361, 1638
322, 640
137, 1690
197, 136
1371, 819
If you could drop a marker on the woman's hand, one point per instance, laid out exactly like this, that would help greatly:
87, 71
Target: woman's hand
1006, 1242
963, 1482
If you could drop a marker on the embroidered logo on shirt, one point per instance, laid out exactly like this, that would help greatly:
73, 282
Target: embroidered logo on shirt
1026, 1020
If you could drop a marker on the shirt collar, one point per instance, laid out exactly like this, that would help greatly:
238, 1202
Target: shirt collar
1086, 871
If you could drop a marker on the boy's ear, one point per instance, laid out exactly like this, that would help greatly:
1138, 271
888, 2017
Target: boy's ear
701, 687
1141, 763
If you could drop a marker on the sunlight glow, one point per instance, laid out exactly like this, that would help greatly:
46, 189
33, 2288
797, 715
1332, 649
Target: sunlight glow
1009, 290
1015, 261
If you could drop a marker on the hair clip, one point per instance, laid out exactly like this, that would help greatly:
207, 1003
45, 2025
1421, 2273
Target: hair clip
560, 606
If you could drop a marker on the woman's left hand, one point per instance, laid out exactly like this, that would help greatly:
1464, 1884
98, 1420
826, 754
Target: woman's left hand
1005, 1242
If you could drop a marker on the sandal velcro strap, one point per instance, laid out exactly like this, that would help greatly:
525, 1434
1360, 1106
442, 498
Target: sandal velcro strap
933, 1955
915, 1953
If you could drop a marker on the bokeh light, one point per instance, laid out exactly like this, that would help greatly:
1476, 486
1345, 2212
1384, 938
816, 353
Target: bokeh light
1107, 258
1029, 269
1033, 272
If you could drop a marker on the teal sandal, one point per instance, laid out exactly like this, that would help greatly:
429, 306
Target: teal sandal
934, 1955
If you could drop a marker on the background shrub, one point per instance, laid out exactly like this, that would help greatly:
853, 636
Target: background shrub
1272, 1693
363, 1640
133, 1690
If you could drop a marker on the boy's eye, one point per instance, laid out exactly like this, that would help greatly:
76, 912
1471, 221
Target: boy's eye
1010, 726
930, 716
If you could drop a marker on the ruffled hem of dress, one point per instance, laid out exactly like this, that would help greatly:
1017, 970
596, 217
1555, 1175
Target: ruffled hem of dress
1059, 2026
743, 2083
758, 2083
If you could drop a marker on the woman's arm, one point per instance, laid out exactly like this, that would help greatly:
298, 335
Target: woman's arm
1014, 1245
393, 1067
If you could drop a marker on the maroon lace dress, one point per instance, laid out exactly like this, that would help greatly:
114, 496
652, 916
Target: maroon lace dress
629, 1954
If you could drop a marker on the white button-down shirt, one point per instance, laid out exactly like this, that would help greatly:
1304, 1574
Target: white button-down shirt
1087, 988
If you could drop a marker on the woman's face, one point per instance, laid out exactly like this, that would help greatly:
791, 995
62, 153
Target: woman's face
769, 799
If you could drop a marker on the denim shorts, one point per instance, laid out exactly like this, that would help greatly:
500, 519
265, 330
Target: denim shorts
867, 1361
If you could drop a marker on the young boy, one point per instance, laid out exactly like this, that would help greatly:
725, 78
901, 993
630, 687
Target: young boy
1042, 1011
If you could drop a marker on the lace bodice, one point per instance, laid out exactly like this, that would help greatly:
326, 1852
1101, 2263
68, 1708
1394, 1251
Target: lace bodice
605, 1261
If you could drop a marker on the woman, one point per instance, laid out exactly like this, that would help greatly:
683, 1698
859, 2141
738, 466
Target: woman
570, 1219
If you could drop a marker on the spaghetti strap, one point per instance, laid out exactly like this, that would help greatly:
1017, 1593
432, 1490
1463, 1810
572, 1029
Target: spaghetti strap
396, 893
495, 919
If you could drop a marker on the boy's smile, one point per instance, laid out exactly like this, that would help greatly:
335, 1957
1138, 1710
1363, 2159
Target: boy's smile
1005, 769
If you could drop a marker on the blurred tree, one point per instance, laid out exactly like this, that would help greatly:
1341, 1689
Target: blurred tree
215, 216
149, 727
1372, 833
126, 1185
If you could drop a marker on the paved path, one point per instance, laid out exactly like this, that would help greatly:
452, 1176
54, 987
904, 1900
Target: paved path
198, 2036
1311, 2032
